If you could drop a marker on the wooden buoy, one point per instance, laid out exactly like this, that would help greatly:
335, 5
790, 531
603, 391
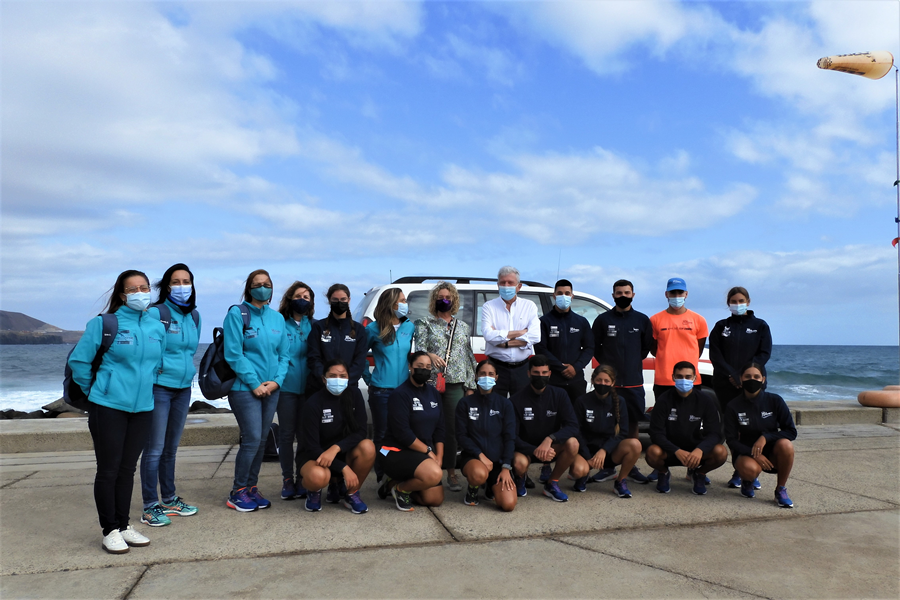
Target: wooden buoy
880, 398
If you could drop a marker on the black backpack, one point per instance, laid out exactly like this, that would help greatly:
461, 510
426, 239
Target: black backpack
270, 454
72, 392
165, 315
214, 376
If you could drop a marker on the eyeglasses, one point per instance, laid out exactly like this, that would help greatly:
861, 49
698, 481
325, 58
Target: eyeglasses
135, 290
256, 286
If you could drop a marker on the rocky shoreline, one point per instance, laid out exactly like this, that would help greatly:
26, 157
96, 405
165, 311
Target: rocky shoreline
59, 409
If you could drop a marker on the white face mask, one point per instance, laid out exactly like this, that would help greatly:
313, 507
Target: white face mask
738, 309
676, 302
138, 301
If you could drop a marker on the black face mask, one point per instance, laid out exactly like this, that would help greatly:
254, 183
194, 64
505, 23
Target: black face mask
442, 305
623, 301
340, 307
751, 386
602, 389
420, 376
539, 381
299, 305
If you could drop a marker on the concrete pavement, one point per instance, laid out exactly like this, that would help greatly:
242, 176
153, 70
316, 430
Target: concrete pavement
841, 540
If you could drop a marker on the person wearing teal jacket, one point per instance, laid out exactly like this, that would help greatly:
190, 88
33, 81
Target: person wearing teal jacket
258, 355
176, 304
121, 402
390, 337
297, 307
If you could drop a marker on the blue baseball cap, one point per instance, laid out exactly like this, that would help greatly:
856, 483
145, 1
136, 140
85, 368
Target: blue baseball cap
676, 283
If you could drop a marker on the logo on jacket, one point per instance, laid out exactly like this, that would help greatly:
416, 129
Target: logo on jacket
634, 330
125, 338
609, 414
327, 417
434, 405
574, 330
473, 413
589, 416
417, 404
726, 332
742, 419
551, 413
751, 330
611, 331
347, 338
694, 418
673, 414
326, 338
766, 415
554, 331
494, 413
528, 414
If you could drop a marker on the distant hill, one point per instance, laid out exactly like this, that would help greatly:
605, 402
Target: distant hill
18, 328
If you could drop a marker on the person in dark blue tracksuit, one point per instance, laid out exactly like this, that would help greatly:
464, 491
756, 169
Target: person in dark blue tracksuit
566, 341
759, 430
546, 430
334, 450
337, 336
603, 441
685, 429
486, 434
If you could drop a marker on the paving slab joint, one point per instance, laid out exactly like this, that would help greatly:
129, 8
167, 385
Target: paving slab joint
136, 583
9, 483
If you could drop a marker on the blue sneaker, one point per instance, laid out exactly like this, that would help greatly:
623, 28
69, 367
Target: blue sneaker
580, 484
528, 482
261, 502
636, 476
782, 498
356, 506
622, 489
314, 501
756, 484
301, 491
690, 477
521, 492
552, 491
662, 484
735, 481
288, 489
747, 489
653, 476
699, 480
545, 473
603, 475
336, 491
241, 501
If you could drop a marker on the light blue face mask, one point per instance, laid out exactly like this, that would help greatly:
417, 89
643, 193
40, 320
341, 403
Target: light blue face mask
402, 310
180, 293
486, 383
563, 302
684, 385
138, 301
261, 293
676, 302
336, 385
738, 309
507, 293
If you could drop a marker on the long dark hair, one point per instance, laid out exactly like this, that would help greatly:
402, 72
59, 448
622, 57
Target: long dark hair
247, 297
115, 296
384, 314
339, 287
346, 398
285, 307
611, 371
162, 286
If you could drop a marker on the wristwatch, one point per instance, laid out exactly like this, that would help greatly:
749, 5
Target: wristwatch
429, 450
506, 344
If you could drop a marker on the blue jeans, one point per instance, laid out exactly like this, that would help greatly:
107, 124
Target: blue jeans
378, 406
289, 405
254, 416
170, 410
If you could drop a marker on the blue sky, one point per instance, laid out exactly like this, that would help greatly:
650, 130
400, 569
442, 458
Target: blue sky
345, 141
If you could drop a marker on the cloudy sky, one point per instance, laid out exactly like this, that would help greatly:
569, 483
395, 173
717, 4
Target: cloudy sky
350, 141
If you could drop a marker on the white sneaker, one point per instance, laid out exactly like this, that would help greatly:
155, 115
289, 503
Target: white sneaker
133, 538
114, 543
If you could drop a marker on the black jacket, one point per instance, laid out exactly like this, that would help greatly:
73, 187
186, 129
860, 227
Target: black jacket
623, 340
323, 424
597, 424
565, 338
413, 413
539, 416
737, 341
486, 424
746, 420
331, 338
675, 422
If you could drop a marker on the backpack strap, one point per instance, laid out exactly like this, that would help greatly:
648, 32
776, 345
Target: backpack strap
110, 329
245, 314
165, 314
196, 316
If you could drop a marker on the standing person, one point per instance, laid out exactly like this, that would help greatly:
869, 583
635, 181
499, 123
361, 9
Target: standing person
446, 339
603, 432
679, 335
258, 354
486, 432
390, 336
334, 449
759, 430
686, 431
738, 340
337, 336
546, 430
120, 413
623, 337
297, 307
176, 304
566, 342
511, 330
414, 443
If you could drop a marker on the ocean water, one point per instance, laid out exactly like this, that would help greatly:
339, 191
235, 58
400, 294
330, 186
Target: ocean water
31, 376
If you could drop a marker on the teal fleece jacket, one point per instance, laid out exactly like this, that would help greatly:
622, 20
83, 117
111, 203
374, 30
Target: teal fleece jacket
260, 353
181, 345
391, 365
298, 369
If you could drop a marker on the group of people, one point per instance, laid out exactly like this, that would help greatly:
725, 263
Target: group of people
433, 407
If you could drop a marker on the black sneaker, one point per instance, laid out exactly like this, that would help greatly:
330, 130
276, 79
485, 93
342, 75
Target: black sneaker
521, 484
546, 470
404, 502
471, 498
384, 490
336, 491
488, 493
528, 483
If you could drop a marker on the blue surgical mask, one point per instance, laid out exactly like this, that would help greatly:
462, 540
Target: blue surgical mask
684, 385
507, 293
738, 309
676, 302
402, 310
261, 293
138, 300
337, 385
180, 293
563, 302
486, 383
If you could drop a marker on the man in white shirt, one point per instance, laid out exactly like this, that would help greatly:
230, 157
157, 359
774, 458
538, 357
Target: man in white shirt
511, 329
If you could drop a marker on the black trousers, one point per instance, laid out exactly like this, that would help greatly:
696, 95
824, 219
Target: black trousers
119, 437
511, 380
